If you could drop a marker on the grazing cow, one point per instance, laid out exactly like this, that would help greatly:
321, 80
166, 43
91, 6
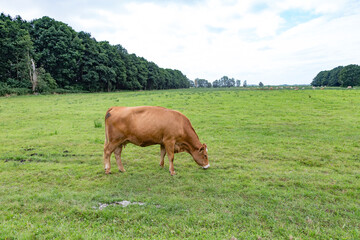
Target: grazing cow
147, 125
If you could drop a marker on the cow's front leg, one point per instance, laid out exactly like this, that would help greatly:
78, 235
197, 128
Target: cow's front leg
108, 149
162, 155
170, 152
117, 153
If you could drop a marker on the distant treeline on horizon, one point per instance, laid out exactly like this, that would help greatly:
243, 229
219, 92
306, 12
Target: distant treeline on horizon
338, 77
45, 55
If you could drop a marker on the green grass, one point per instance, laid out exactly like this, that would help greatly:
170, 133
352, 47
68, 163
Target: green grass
285, 164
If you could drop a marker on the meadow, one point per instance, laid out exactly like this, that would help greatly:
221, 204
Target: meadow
285, 164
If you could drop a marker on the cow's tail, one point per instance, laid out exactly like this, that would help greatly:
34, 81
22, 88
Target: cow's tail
106, 135
107, 115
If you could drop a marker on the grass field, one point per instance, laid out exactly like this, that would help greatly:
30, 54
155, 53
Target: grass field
285, 164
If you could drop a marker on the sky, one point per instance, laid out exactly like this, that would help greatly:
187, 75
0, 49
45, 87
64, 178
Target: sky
270, 41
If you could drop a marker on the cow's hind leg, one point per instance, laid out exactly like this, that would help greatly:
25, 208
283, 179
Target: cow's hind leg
117, 153
162, 155
108, 149
170, 152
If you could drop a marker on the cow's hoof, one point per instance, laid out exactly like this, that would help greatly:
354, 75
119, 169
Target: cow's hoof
122, 171
172, 173
107, 172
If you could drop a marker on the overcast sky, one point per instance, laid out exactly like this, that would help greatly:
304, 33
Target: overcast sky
272, 41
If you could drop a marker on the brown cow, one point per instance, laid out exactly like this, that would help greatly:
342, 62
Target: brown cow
145, 126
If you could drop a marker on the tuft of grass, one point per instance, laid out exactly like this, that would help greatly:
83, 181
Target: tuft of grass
97, 124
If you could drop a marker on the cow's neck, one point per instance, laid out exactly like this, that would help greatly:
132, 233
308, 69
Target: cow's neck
193, 141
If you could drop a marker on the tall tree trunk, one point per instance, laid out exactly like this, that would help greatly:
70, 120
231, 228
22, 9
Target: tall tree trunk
33, 75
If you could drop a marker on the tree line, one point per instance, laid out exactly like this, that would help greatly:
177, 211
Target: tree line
339, 76
224, 81
45, 55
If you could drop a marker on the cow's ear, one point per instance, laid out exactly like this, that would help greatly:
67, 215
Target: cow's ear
205, 147
201, 149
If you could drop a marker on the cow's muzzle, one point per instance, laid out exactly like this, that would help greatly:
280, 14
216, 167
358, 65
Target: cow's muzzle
206, 167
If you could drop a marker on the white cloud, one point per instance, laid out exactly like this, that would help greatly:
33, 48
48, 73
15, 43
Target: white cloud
208, 39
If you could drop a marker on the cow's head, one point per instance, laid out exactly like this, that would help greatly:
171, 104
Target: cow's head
201, 156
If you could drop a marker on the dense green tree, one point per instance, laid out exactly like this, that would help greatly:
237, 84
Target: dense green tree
181, 81
16, 50
202, 83
230, 82
120, 54
339, 76
154, 79
350, 75
88, 76
143, 72
192, 83
245, 84
45, 82
334, 77
321, 79
58, 49
46, 54
132, 81
225, 81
